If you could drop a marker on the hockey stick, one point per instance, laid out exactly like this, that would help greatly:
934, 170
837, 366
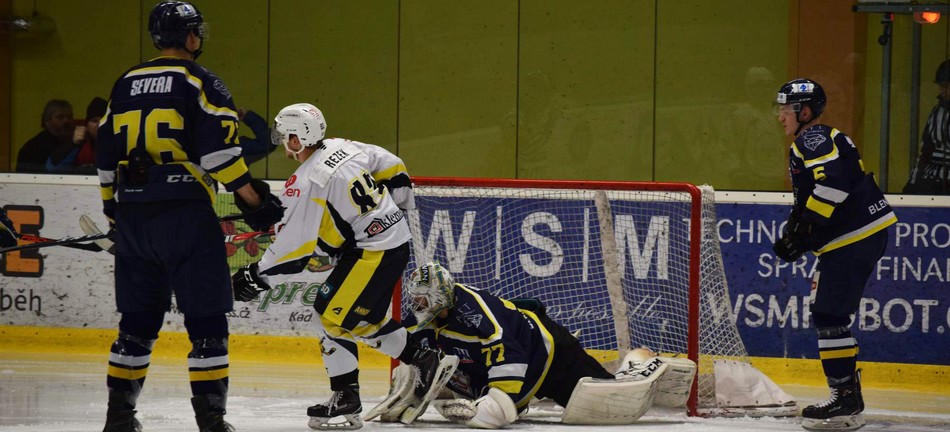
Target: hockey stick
34, 239
90, 228
43, 242
246, 236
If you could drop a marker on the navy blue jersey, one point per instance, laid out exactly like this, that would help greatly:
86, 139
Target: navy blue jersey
498, 345
175, 121
833, 191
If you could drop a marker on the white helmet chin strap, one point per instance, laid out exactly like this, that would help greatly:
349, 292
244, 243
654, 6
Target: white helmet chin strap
286, 141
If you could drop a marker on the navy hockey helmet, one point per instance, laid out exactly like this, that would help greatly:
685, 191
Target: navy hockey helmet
943, 72
170, 23
802, 92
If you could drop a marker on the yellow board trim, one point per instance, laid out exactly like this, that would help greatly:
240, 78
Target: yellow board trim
63, 343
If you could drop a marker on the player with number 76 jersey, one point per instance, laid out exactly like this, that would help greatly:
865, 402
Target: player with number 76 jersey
345, 201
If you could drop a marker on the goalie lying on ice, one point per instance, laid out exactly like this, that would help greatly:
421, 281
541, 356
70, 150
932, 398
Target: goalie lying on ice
511, 351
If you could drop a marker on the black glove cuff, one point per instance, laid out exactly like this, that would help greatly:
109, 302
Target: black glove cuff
267, 214
262, 190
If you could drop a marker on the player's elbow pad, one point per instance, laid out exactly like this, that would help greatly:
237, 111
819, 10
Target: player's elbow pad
494, 411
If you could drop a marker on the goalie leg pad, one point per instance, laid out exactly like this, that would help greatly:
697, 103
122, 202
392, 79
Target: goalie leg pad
674, 386
620, 401
400, 395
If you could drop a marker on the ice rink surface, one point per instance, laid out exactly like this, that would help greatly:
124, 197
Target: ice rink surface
58, 393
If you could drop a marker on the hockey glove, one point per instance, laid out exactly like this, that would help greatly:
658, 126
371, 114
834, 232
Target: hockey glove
267, 214
788, 250
248, 283
797, 227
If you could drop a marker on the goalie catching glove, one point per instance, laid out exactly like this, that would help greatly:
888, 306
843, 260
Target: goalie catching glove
495, 410
270, 211
248, 283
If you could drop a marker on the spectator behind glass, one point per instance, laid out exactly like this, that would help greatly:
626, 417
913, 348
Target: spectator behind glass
55, 139
83, 157
931, 173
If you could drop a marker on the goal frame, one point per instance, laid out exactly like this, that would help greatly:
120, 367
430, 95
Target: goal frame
695, 239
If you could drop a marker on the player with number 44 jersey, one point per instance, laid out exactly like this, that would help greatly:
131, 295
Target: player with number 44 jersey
345, 202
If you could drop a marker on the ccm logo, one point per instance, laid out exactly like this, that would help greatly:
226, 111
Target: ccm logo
181, 178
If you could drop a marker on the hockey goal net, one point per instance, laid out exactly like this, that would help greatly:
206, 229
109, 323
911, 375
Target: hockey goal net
625, 264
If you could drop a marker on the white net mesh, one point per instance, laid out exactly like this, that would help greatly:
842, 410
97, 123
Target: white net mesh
550, 244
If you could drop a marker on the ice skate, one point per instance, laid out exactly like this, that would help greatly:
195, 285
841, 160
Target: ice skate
343, 403
209, 414
400, 395
434, 370
120, 417
841, 412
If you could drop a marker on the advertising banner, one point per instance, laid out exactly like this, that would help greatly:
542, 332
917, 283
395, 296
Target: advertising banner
904, 314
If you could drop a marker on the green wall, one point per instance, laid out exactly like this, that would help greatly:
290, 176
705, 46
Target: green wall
607, 90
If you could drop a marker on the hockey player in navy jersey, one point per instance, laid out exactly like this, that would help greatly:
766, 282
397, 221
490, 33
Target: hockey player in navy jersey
165, 142
840, 215
511, 352
345, 202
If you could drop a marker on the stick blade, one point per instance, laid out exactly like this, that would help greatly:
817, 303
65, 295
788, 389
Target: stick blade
89, 227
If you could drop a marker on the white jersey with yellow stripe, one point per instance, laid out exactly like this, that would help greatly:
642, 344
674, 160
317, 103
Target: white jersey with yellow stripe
335, 203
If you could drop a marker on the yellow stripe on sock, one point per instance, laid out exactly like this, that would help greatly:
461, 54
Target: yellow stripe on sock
209, 375
126, 373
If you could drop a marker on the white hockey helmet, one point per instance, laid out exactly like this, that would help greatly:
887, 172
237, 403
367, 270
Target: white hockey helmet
303, 120
431, 290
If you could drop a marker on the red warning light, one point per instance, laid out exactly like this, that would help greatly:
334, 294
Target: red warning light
927, 17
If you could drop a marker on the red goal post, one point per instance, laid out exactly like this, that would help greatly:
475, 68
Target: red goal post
625, 264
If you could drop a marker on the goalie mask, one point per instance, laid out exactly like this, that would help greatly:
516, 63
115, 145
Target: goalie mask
303, 120
431, 290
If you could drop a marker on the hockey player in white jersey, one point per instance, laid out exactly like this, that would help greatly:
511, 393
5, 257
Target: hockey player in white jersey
345, 202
